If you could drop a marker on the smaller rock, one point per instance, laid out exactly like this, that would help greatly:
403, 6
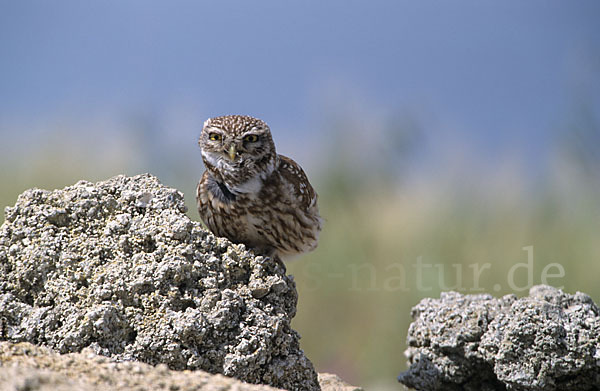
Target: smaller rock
545, 342
58, 217
258, 288
143, 200
331, 382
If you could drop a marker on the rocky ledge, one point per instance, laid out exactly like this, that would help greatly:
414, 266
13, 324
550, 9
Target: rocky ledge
117, 269
547, 341
34, 368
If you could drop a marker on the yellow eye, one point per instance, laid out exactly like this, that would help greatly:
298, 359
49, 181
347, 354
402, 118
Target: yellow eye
214, 137
251, 138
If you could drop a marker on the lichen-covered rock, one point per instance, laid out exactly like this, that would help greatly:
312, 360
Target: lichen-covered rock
119, 268
547, 341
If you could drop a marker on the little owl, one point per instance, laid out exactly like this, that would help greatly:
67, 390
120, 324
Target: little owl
250, 194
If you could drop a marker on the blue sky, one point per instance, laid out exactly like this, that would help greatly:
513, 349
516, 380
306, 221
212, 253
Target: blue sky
496, 76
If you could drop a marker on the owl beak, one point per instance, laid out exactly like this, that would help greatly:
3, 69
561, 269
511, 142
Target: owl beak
232, 152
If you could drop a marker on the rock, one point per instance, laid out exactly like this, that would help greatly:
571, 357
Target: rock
547, 341
24, 366
331, 382
117, 268
28, 367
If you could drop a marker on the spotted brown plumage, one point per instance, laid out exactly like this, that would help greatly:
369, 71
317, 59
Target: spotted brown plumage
250, 194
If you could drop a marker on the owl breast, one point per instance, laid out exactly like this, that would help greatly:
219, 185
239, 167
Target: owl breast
274, 214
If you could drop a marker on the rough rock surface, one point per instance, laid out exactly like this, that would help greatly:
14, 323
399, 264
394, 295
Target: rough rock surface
27, 367
117, 267
24, 366
331, 382
547, 341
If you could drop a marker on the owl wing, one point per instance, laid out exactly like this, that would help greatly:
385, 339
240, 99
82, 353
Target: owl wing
296, 179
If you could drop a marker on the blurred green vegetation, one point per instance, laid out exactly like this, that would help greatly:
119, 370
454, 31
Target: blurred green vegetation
357, 289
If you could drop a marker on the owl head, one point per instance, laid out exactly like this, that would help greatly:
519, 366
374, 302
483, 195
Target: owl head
237, 149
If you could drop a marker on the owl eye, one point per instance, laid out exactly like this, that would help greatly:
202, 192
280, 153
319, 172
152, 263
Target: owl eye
251, 138
214, 137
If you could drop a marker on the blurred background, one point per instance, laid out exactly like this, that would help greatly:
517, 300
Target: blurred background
454, 145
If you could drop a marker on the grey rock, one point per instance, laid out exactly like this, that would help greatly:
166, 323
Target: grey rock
331, 382
547, 341
117, 267
28, 367
24, 366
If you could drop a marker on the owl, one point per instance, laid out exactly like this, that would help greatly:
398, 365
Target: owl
250, 194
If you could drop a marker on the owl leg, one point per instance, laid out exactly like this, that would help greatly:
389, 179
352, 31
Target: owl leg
279, 264
270, 252
265, 251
